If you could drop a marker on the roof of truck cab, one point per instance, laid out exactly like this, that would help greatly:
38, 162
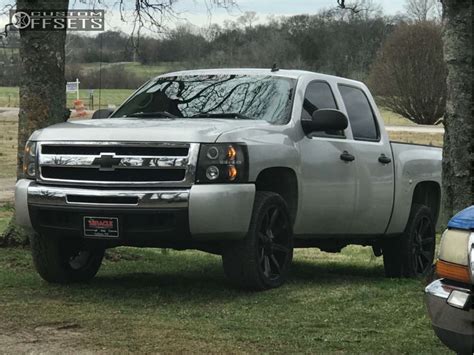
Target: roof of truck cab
293, 74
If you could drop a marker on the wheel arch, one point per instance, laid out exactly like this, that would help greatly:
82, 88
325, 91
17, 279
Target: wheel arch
283, 181
428, 193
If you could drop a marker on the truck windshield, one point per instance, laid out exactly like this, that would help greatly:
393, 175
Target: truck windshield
255, 97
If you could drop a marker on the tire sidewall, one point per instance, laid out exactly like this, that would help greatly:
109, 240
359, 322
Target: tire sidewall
51, 259
272, 200
420, 212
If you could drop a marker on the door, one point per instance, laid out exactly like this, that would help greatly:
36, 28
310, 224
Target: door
375, 172
328, 183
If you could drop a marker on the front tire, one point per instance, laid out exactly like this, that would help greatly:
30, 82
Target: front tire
412, 254
262, 260
64, 261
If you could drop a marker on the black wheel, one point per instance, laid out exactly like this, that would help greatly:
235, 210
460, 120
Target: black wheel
64, 261
412, 254
262, 260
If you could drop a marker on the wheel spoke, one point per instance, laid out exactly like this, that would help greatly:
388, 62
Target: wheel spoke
426, 255
420, 263
266, 267
275, 262
264, 226
420, 227
424, 228
261, 256
273, 219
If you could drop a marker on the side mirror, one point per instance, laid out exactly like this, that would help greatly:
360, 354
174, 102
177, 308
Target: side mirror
324, 120
102, 113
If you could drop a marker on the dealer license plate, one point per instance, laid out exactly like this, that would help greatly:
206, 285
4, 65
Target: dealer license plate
101, 227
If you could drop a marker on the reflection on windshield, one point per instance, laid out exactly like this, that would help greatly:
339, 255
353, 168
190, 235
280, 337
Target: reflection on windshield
256, 97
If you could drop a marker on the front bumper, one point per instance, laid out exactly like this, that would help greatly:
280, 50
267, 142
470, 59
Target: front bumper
149, 217
453, 326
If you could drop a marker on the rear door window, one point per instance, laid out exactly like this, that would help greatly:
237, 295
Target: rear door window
361, 116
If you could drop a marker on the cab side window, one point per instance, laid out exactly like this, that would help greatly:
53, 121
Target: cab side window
319, 95
361, 115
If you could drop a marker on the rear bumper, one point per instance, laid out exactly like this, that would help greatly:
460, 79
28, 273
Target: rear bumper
453, 326
154, 217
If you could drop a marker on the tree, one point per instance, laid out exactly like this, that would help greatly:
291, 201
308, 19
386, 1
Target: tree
458, 154
409, 74
42, 87
421, 10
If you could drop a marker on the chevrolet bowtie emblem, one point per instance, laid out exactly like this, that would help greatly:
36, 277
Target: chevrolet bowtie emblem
107, 162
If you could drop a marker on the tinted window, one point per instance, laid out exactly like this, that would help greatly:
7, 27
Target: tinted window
257, 97
360, 113
318, 95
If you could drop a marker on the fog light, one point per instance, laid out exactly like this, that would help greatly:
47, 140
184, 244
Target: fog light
212, 172
31, 171
458, 299
213, 153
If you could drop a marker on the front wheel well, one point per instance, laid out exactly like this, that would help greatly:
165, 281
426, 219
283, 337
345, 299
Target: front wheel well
282, 181
428, 193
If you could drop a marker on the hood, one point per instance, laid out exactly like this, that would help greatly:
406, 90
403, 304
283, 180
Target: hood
148, 130
463, 220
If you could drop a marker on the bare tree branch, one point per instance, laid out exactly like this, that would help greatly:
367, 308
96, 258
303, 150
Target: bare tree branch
354, 8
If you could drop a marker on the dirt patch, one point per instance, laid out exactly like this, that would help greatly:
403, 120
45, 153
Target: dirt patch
59, 338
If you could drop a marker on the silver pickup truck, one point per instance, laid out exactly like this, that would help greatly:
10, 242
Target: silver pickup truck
243, 163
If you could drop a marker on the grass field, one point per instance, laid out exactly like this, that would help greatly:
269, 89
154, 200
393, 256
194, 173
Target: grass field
146, 71
5, 215
9, 97
147, 301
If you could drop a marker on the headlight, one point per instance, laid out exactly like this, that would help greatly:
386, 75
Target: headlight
29, 160
453, 263
222, 163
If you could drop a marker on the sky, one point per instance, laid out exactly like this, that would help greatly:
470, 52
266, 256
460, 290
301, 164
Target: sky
196, 12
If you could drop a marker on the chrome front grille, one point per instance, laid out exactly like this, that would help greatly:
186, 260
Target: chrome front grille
117, 164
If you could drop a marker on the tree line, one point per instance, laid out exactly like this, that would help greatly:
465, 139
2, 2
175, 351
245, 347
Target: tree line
365, 45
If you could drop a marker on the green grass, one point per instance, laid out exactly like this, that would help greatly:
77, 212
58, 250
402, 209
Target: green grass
9, 97
394, 119
146, 71
181, 302
6, 213
107, 97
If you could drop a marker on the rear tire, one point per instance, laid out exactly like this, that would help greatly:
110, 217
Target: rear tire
262, 260
64, 261
412, 254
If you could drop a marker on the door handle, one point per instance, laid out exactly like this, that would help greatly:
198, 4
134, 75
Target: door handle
384, 159
346, 156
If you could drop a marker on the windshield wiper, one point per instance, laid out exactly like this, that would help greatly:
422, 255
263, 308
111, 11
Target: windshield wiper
234, 115
157, 114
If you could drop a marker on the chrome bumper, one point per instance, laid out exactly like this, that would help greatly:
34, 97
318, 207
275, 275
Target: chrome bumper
215, 212
453, 326
66, 196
